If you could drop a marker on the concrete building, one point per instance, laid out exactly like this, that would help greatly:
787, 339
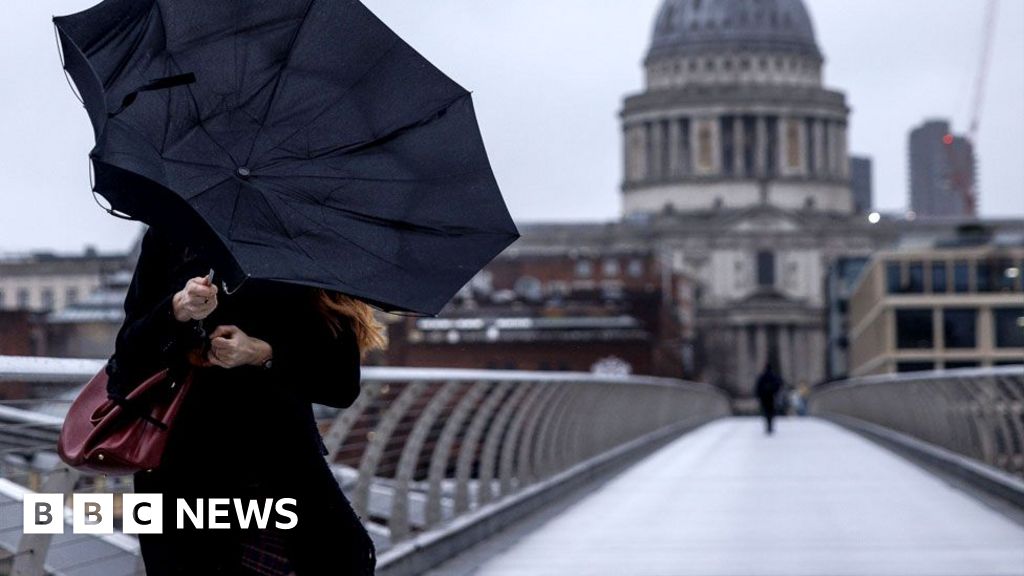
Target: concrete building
954, 304
47, 282
843, 275
861, 184
942, 172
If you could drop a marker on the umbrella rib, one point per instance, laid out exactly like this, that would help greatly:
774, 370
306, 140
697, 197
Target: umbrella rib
277, 84
199, 116
341, 235
297, 241
330, 106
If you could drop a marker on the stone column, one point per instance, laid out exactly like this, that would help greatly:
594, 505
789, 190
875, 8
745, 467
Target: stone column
657, 150
642, 163
842, 145
801, 354
761, 347
738, 139
743, 374
785, 361
830, 140
675, 152
761, 154
817, 360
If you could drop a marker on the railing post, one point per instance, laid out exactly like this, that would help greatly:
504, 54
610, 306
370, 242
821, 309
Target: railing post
375, 448
442, 451
30, 555
399, 521
467, 453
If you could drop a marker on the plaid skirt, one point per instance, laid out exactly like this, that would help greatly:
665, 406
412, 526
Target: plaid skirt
264, 552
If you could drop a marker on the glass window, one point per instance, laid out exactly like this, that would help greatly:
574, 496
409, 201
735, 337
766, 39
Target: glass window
23, 298
939, 280
1006, 276
961, 277
959, 327
915, 278
957, 364
584, 268
611, 267
914, 329
47, 297
2, 299
915, 366
1009, 327
71, 295
893, 279
636, 268
983, 277
766, 269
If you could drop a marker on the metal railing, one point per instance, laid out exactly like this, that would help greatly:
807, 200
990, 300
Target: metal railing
418, 449
974, 412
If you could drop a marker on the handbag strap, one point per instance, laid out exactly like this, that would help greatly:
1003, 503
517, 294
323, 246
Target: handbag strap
134, 409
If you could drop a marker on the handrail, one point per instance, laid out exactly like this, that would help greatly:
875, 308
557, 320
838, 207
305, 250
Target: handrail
974, 412
423, 447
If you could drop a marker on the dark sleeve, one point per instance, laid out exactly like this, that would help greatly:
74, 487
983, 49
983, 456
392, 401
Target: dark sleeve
150, 338
321, 367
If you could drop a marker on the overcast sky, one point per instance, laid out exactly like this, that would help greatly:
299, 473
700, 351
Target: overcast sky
548, 78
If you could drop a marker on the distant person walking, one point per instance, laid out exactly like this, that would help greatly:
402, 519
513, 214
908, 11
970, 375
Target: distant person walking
768, 386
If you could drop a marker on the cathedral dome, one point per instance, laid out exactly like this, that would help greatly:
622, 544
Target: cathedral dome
702, 26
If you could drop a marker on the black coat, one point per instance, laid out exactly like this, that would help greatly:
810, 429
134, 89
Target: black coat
246, 432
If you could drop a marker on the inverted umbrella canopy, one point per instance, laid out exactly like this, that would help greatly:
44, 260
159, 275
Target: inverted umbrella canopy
300, 140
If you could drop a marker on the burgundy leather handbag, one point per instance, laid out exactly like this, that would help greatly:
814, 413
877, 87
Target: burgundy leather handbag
121, 435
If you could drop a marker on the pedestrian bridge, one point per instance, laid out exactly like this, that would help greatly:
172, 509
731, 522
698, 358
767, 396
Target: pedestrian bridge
509, 473
814, 499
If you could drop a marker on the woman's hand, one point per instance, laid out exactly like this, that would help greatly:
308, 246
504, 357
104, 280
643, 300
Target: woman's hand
230, 347
196, 300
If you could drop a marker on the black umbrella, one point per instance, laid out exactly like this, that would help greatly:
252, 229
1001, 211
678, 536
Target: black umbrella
301, 140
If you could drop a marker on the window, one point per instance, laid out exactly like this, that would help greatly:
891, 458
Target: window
957, 364
959, 328
961, 277
611, 267
894, 277
1006, 276
584, 268
915, 366
636, 268
766, 269
939, 280
23, 298
47, 297
983, 277
2, 299
914, 329
915, 278
71, 295
1009, 327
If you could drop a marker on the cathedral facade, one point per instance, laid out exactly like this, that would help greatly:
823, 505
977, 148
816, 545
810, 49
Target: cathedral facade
736, 172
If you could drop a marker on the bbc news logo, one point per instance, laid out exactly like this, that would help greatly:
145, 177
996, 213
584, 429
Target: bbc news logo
144, 513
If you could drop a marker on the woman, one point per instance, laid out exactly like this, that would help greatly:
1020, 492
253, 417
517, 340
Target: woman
260, 357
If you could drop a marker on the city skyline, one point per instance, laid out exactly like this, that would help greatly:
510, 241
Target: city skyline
550, 117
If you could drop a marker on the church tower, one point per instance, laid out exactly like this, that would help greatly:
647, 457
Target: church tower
734, 114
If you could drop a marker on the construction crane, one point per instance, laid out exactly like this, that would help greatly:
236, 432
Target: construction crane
961, 169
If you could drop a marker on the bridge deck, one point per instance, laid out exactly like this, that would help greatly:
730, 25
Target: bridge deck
814, 499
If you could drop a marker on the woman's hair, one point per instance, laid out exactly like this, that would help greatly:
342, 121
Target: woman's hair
337, 308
